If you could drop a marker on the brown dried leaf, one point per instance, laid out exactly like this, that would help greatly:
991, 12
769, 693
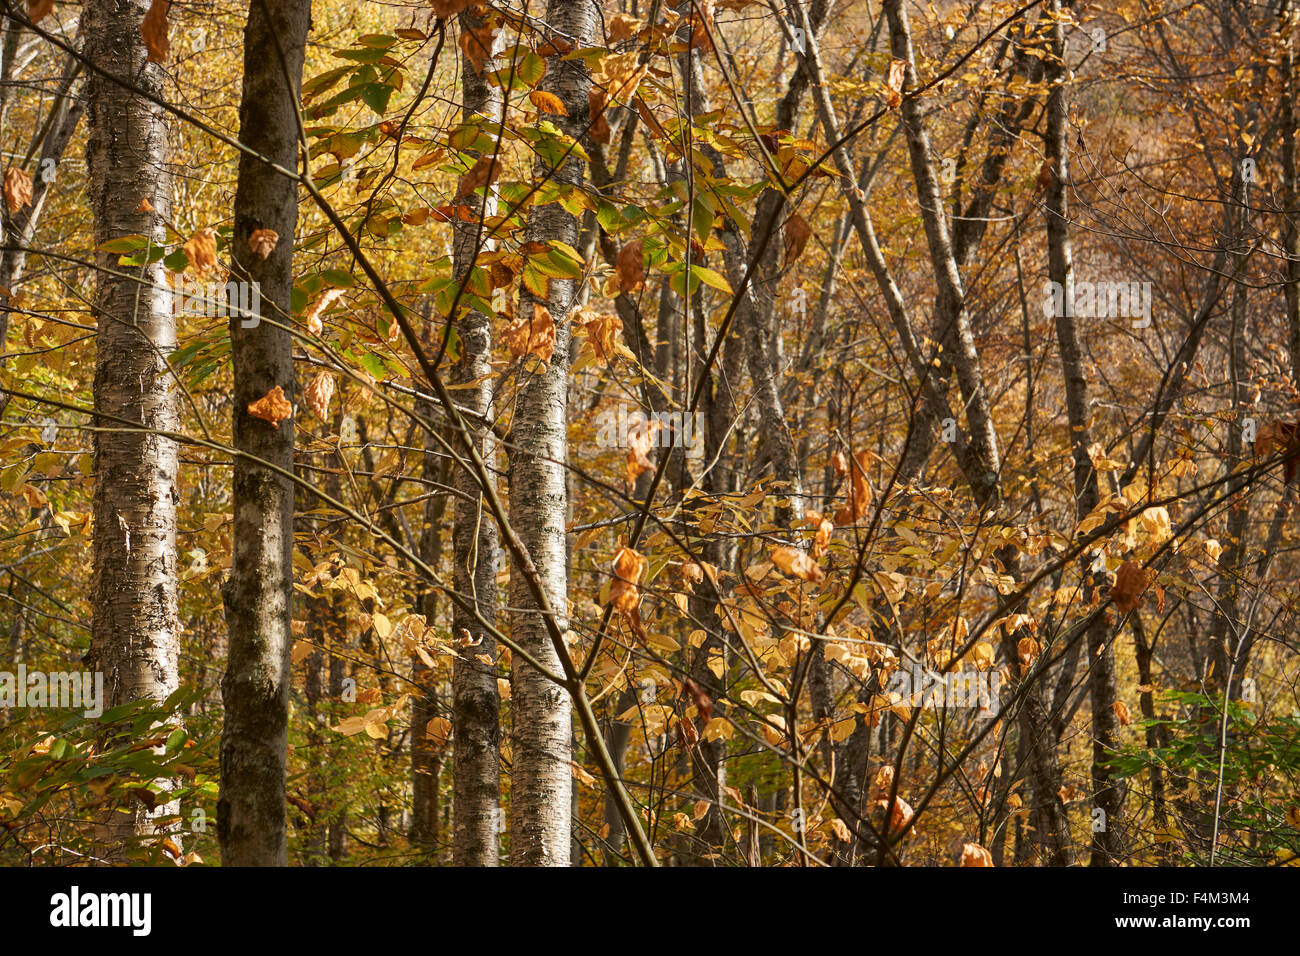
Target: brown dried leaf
795, 235
602, 332
449, 8
262, 241
1130, 581
900, 816
17, 189
485, 171
623, 26
600, 131
38, 10
894, 83
318, 394
201, 250
272, 407
153, 28
640, 439
631, 266
859, 491
824, 526
476, 44
313, 317
703, 702
531, 335
797, 564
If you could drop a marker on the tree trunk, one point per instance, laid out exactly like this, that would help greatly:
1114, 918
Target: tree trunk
476, 702
540, 731
251, 811
1107, 795
135, 631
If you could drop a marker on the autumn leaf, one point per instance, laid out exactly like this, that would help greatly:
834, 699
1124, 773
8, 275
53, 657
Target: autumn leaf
703, 702
630, 266
485, 171
900, 816
476, 44
17, 189
201, 250
640, 439
625, 589
822, 538
313, 316
438, 730
153, 28
623, 26
602, 331
449, 8
262, 242
894, 83
859, 492
600, 130
1097, 455
797, 564
531, 335
972, 854
795, 236
272, 407
1122, 713
318, 394
547, 103
1130, 582
1156, 523
38, 10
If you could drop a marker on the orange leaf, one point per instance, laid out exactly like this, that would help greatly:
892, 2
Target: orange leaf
272, 407
201, 250
1130, 582
262, 241
448, 8
631, 266
972, 854
640, 439
547, 103
485, 171
531, 335
797, 563
859, 491
38, 10
796, 235
894, 83
17, 189
153, 28
323, 302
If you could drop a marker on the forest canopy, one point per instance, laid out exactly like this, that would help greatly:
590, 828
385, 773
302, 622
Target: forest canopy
626, 432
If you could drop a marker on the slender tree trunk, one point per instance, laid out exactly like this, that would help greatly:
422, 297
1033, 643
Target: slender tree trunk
540, 731
251, 812
476, 703
134, 631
